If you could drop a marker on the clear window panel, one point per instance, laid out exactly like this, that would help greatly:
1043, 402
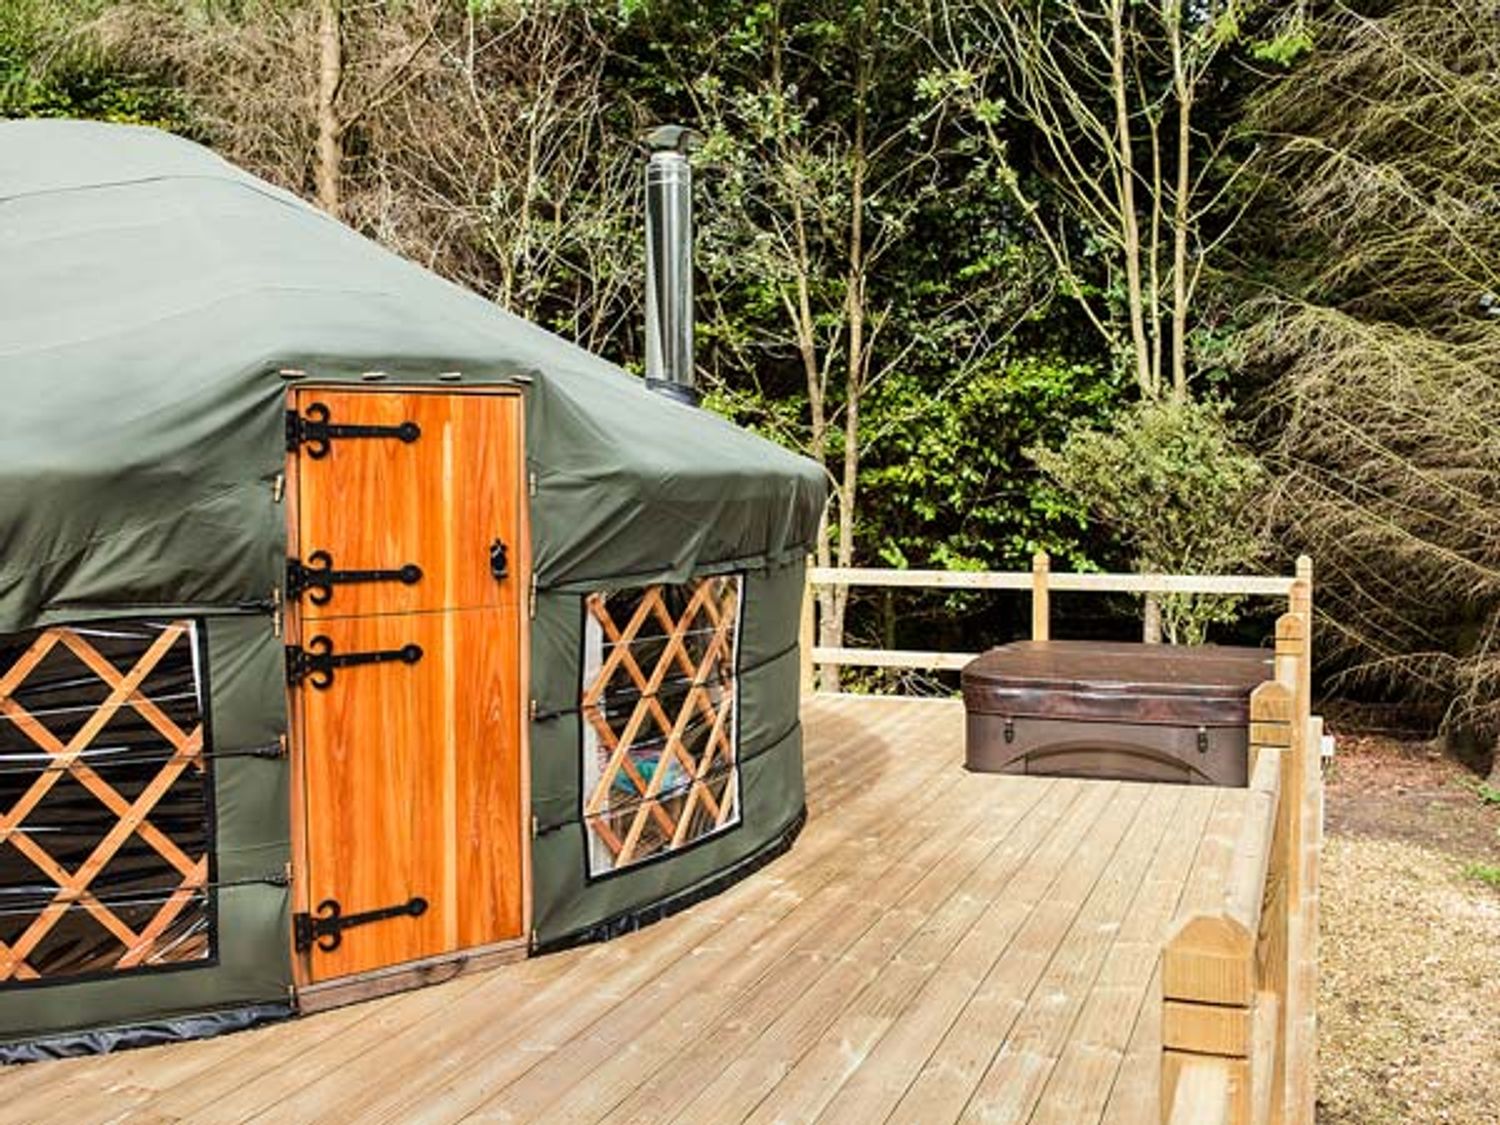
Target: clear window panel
660, 741
105, 828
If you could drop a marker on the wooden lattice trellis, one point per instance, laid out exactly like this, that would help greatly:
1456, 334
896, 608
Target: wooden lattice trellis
181, 750
630, 806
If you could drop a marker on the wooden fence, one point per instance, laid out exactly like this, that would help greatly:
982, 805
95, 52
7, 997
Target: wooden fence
1239, 980
1041, 582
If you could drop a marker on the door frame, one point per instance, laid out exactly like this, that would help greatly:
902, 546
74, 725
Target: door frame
311, 997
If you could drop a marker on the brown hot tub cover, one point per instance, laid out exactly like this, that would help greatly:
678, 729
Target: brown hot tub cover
1135, 711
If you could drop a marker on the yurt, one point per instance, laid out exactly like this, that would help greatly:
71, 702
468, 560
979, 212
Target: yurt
353, 632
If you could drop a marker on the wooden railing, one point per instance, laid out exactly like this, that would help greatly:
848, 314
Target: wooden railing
1239, 976
1041, 582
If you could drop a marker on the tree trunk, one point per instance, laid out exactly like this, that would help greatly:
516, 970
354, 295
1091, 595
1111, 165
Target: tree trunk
1181, 214
856, 362
328, 164
831, 599
1153, 253
1130, 229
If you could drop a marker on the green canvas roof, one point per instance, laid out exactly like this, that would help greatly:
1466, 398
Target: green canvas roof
150, 293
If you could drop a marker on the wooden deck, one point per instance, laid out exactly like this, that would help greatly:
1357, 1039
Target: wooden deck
939, 946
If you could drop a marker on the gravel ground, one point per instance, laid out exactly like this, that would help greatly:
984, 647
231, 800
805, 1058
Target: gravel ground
1409, 1006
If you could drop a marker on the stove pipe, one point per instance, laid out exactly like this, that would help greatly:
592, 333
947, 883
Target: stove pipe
669, 262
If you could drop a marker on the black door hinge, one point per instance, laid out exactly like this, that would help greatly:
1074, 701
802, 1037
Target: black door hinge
314, 430
318, 576
326, 928
316, 662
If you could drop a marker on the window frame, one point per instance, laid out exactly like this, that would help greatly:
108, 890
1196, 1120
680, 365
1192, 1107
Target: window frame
194, 632
593, 644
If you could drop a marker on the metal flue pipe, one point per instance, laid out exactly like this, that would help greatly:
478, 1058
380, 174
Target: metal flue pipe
669, 262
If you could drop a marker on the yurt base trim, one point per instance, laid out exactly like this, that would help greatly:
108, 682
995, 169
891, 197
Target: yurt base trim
639, 918
401, 978
101, 1041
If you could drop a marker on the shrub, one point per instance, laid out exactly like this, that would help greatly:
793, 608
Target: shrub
1174, 484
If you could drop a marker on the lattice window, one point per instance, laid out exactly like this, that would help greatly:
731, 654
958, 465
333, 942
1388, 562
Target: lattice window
104, 801
659, 707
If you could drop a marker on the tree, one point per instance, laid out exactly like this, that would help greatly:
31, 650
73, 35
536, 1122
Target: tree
831, 270
1131, 187
278, 87
822, 161
1380, 342
1173, 482
474, 138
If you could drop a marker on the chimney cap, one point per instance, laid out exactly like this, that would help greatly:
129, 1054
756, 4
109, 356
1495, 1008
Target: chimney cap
672, 138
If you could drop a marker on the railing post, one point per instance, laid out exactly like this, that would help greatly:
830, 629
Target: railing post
1041, 607
1151, 620
1204, 1093
1224, 971
807, 635
1300, 603
1271, 715
1209, 1007
1291, 673
1301, 1026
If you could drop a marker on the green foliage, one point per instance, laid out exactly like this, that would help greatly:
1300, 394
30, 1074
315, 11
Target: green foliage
1285, 47
951, 487
1375, 243
823, 118
1173, 482
969, 357
1488, 873
1488, 794
52, 64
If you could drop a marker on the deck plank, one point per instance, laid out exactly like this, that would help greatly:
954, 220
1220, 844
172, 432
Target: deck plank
948, 1079
1079, 1086
938, 946
1013, 1084
647, 1030
845, 1044
1137, 1088
914, 938
827, 962
777, 982
874, 1090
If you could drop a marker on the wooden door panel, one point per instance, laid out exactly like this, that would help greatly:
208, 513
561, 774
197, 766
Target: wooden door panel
412, 786
438, 502
411, 772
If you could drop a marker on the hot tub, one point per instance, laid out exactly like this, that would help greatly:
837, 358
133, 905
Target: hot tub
1137, 712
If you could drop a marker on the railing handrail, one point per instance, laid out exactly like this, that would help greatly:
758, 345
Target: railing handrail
1246, 585
1239, 972
1041, 581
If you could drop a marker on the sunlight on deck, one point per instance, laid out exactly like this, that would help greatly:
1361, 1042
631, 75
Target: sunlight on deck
938, 946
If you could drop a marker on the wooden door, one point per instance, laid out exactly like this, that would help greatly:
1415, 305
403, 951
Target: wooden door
406, 674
